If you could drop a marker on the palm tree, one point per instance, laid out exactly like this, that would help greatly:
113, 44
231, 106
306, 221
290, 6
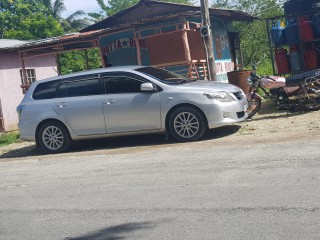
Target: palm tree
73, 22
55, 8
96, 17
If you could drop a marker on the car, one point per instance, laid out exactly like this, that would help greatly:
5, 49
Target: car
125, 100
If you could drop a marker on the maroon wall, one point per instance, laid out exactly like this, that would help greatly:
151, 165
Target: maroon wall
166, 48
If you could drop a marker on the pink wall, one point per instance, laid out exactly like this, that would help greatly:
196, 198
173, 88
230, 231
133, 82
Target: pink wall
10, 81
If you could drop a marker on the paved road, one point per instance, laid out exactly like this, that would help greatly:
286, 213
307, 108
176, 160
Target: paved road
198, 190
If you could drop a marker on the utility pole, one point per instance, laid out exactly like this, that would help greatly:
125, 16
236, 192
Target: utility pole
207, 38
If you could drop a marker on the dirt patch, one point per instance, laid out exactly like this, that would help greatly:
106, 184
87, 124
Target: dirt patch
270, 125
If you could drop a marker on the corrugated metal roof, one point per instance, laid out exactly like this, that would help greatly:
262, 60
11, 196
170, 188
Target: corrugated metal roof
8, 43
90, 34
145, 9
58, 39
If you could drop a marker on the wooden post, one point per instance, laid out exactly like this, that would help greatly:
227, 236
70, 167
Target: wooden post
58, 64
208, 42
24, 72
204, 71
136, 39
103, 64
241, 56
1, 119
87, 59
186, 45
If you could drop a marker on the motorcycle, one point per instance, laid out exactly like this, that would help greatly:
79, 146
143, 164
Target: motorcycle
300, 90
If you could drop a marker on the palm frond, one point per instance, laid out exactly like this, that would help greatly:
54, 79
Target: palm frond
58, 8
75, 15
97, 17
47, 4
102, 5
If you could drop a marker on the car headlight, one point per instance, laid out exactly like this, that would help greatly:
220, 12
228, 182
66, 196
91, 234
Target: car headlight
220, 96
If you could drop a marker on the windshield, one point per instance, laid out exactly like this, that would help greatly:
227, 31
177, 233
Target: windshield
164, 76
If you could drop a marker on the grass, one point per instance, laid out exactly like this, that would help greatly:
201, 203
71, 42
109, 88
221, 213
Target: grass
8, 138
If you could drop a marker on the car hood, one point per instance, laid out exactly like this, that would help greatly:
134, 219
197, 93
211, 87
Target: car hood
209, 86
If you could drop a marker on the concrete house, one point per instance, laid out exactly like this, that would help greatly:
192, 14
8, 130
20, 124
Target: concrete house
11, 79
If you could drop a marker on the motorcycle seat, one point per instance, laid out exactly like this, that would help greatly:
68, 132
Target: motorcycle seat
300, 78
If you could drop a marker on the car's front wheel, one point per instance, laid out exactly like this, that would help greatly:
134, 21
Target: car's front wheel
54, 137
187, 124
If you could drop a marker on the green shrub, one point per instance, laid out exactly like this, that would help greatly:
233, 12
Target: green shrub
265, 69
8, 138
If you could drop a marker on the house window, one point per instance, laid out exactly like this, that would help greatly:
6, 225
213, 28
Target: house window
31, 76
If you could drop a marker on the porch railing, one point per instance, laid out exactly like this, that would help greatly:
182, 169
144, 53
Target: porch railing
193, 69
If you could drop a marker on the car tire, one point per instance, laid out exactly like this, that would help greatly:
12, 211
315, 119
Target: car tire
187, 124
54, 137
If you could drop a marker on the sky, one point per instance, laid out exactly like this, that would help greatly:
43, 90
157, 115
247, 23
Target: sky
85, 5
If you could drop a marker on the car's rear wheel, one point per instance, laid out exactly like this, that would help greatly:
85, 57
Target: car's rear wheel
187, 124
54, 137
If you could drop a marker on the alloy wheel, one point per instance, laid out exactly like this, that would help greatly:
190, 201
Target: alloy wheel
186, 125
53, 138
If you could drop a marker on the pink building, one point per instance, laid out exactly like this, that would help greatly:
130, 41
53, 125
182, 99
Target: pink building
11, 79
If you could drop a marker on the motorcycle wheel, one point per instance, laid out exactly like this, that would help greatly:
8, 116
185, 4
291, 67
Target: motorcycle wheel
309, 103
254, 105
309, 99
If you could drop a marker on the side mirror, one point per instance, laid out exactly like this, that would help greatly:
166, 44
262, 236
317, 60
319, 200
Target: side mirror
147, 87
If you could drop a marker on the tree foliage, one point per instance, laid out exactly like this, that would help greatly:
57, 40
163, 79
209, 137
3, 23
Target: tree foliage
73, 22
26, 20
254, 38
75, 61
55, 8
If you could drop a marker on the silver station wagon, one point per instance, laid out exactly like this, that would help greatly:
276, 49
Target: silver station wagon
122, 101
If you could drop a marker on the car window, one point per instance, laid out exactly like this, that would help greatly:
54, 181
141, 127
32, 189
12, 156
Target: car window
121, 84
164, 76
79, 88
62, 90
46, 90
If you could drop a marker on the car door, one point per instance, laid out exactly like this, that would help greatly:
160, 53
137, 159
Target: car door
126, 107
79, 102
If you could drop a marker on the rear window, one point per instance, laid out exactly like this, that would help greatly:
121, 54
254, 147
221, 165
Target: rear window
46, 90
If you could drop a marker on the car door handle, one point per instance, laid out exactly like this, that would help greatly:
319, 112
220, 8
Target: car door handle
62, 105
110, 101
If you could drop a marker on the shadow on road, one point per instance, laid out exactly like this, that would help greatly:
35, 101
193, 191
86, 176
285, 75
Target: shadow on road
120, 142
115, 232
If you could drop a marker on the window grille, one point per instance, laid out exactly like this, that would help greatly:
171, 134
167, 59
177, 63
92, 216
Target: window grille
31, 76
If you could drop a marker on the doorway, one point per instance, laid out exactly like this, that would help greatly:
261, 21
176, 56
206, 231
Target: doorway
235, 49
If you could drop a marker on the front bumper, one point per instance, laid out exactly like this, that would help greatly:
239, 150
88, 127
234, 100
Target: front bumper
220, 113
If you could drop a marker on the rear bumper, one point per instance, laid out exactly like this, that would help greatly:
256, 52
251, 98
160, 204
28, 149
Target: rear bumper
27, 130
